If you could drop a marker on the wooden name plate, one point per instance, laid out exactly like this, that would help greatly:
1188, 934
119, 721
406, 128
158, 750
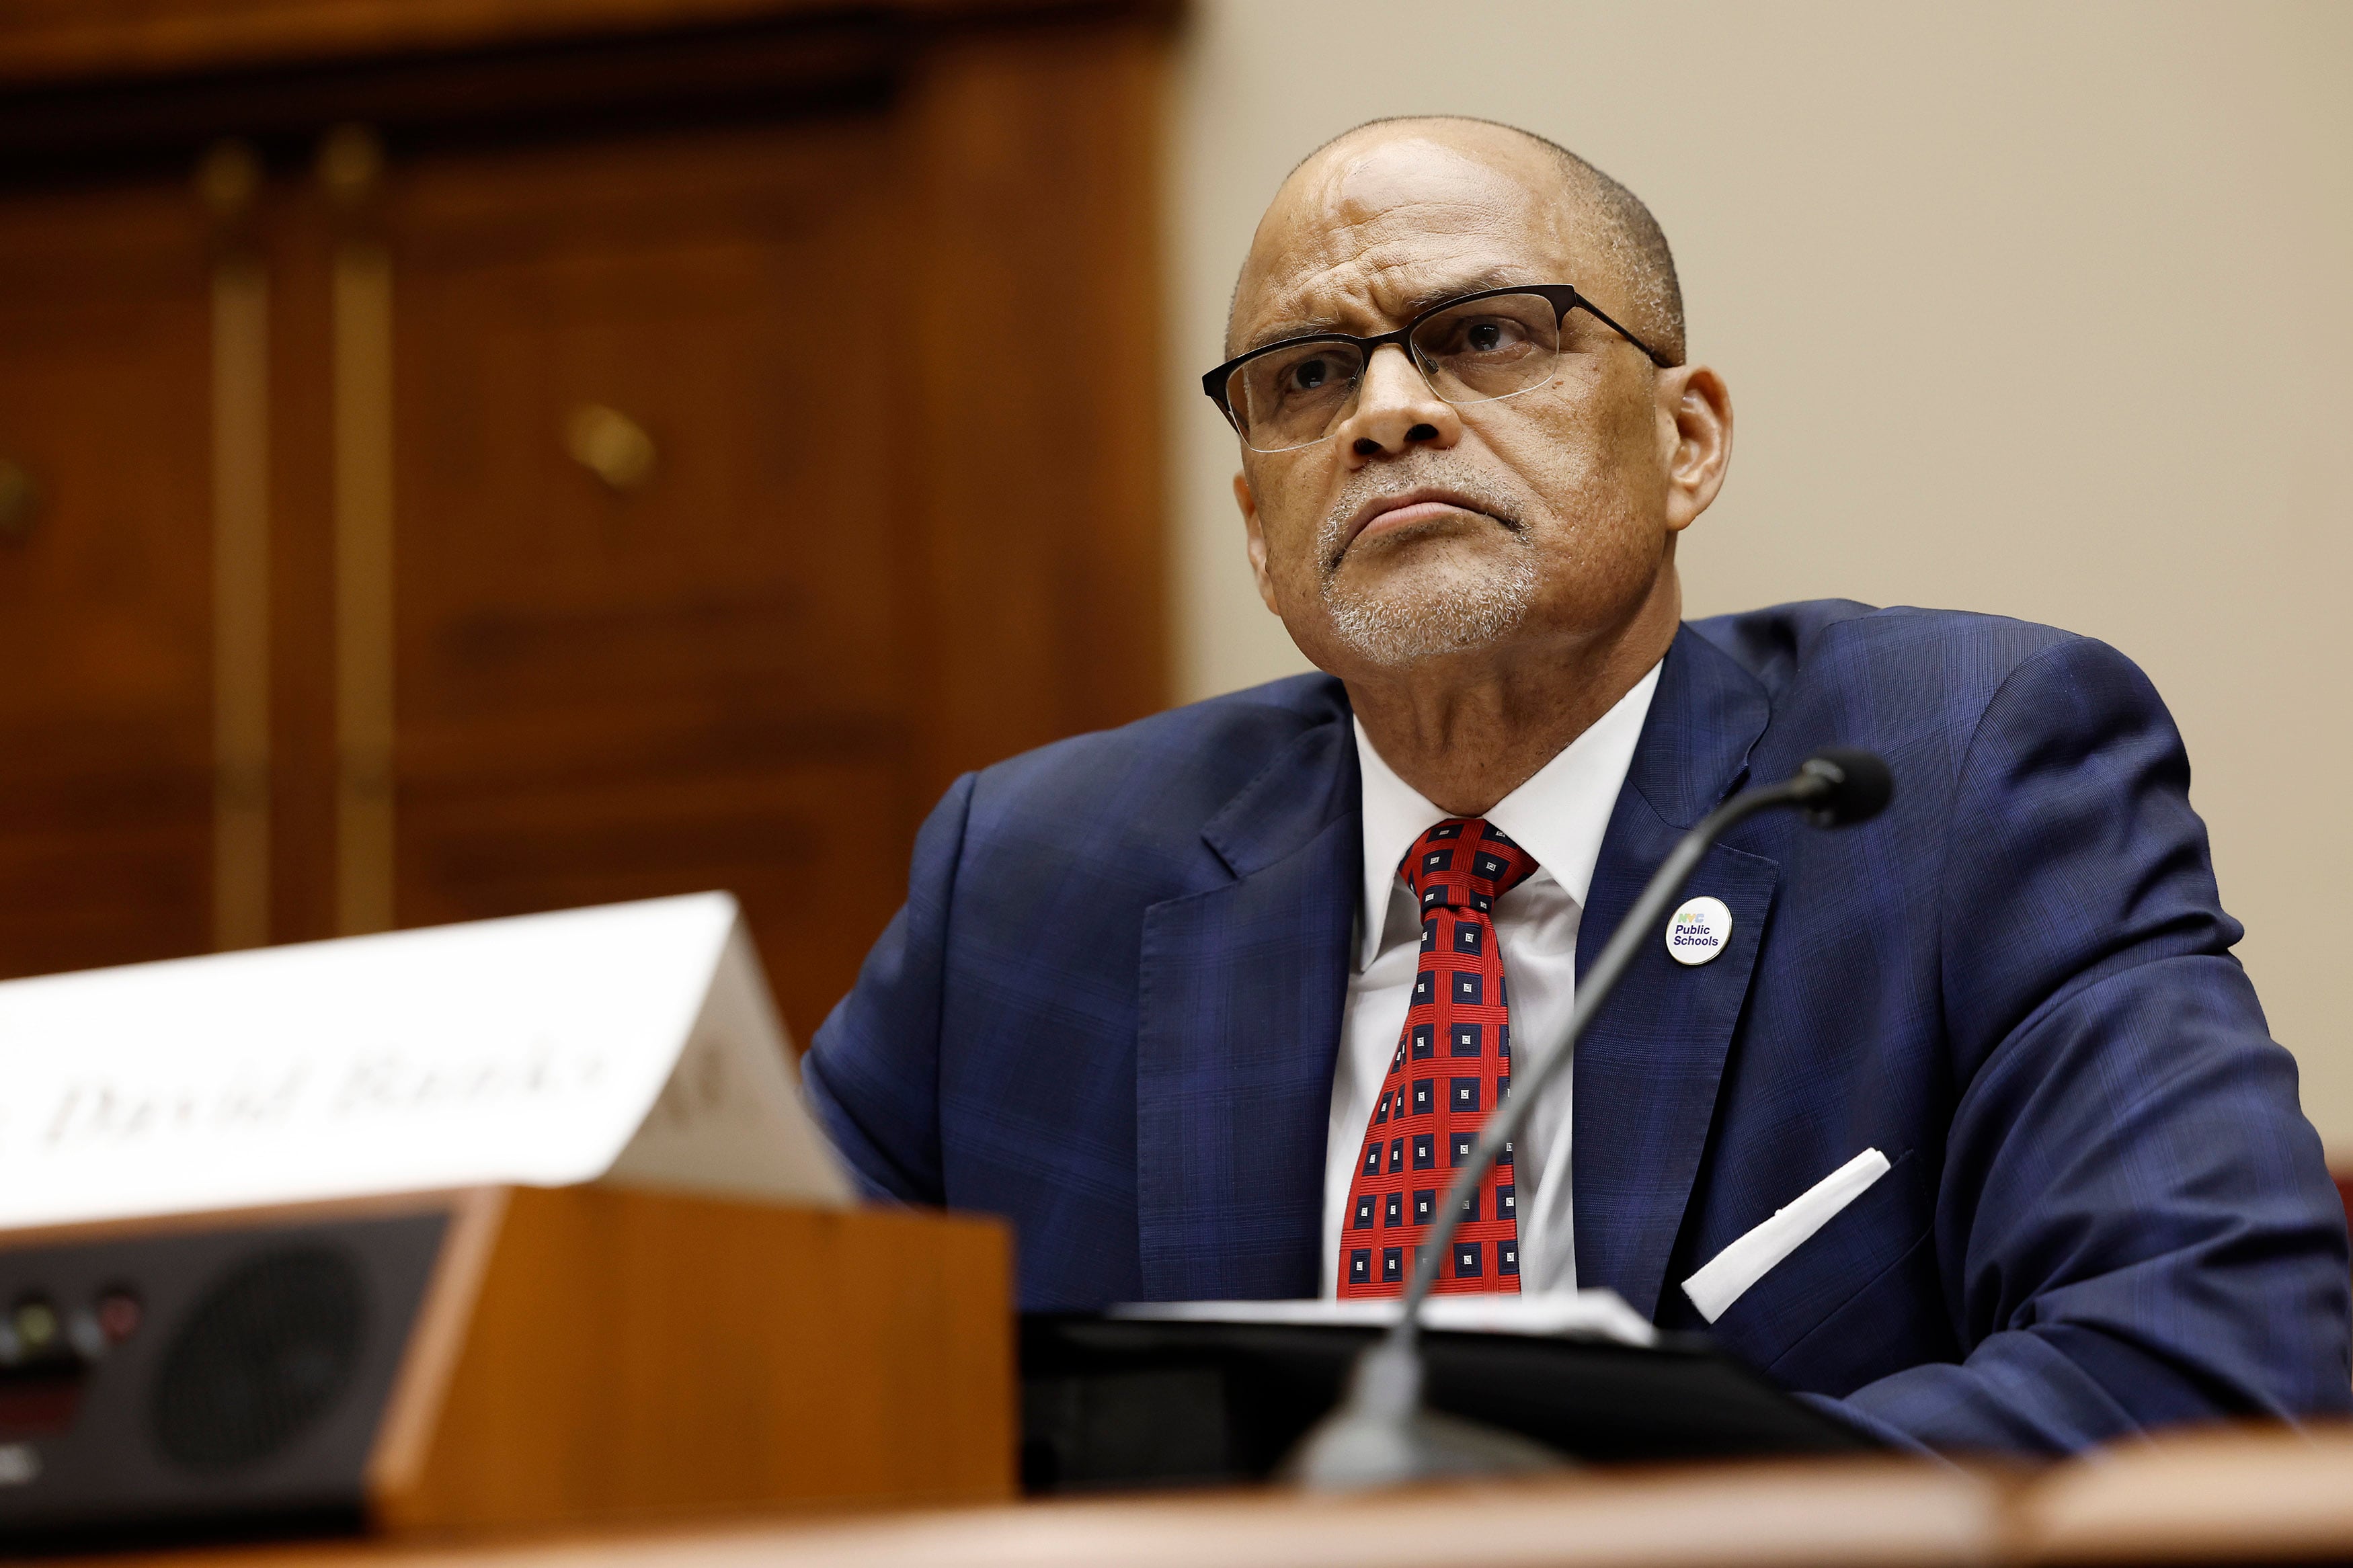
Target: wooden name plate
499, 1356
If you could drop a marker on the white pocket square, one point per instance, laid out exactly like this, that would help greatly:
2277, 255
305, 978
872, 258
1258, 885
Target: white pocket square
1745, 1261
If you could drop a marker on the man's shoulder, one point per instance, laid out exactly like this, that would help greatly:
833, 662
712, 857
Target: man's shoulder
1175, 768
1957, 659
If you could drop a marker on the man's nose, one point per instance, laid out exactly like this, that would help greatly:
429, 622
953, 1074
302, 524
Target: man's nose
1396, 411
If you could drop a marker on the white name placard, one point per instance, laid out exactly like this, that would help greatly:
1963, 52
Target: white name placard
633, 1044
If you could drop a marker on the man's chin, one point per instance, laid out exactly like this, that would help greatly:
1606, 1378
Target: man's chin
1430, 562
1404, 628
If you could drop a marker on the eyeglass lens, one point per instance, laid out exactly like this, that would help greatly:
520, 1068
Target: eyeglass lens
1474, 353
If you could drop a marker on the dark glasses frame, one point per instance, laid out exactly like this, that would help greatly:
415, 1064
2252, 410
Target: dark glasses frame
1563, 297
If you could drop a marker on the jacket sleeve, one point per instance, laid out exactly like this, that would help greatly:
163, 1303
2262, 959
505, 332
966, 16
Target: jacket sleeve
2134, 1225
873, 1072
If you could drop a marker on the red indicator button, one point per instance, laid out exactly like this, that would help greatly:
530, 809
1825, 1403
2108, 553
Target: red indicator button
118, 1315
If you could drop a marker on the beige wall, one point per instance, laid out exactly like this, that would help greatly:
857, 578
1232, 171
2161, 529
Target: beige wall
2042, 309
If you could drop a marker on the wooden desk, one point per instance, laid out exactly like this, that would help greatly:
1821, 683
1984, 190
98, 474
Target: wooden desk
2219, 1497
1870, 1512
2208, 1497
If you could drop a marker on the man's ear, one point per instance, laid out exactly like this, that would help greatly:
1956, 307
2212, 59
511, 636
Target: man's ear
1695, 440
1257, 534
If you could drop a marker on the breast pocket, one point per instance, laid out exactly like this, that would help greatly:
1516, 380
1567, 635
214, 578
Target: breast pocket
1870, 1274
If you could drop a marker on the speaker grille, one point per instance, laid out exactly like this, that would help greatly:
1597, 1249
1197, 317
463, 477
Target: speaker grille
265, 1353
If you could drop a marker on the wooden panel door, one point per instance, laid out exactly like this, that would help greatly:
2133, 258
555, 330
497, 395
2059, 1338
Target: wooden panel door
894, 520
106, 782
660, 463
692, 670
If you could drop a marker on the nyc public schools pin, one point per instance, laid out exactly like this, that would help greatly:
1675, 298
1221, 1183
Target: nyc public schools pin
1700, 931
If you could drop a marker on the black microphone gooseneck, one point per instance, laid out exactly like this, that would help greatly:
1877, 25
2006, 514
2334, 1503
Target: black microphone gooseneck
1380, 1434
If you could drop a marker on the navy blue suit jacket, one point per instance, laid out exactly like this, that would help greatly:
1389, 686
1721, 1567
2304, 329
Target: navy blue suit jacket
1109, 1009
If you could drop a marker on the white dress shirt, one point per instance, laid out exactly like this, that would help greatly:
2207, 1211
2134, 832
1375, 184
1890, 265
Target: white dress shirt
1558, 815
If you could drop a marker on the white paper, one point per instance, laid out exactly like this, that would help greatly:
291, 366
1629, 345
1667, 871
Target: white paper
1730, 1272
634, 1042
1569, 1314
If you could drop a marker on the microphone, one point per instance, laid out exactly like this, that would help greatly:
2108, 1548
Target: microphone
1842, 785
1381, 1435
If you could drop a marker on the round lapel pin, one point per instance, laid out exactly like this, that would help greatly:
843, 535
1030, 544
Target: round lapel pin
1700, 931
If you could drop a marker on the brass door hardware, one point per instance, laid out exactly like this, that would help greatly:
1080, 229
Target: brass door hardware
611, 446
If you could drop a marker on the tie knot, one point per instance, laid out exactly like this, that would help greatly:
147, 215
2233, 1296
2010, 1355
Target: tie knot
1464, 863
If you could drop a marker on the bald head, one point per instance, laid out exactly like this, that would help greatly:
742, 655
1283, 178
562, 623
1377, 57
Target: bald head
1361, 174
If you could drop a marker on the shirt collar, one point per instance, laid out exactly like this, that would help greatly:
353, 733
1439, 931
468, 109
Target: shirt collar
1558, 815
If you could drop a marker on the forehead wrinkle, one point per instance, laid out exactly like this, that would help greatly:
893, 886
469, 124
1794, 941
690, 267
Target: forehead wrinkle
1377, 303
1569, 222
1349, 206
1344, 231
1384, 280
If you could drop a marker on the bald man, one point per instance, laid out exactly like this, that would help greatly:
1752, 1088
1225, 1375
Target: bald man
1209, 1006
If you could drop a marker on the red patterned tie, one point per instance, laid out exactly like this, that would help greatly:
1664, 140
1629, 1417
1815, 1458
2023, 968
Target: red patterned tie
1452, 1068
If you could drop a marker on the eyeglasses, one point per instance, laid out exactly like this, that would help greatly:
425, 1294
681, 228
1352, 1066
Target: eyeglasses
1475, 348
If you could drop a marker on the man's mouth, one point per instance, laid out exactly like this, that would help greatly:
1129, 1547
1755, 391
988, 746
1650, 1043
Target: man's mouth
1390, 513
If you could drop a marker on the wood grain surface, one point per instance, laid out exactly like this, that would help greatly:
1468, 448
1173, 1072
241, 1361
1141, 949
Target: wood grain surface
625, 1355
849, 276
2207, 1496
43, 40
106, 586
1889, 1514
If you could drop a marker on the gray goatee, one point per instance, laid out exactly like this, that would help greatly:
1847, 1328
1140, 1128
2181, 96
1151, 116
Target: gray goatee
1448, 611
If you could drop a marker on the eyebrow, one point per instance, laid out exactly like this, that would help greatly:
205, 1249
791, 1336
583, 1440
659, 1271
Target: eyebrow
1413, 305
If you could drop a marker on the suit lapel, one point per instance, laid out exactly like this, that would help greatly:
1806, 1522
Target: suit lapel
1646, 1073
1242, 988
